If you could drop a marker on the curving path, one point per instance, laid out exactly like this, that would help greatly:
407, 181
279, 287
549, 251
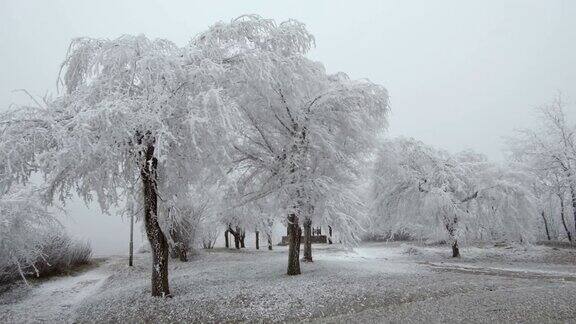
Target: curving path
53, 301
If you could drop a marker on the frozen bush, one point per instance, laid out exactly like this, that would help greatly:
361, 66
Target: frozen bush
209, 230
52, 254
60, 253
32, 241
24, 223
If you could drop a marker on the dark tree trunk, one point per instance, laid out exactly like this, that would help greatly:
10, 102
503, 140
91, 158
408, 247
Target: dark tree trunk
573, 194
242, 235
257, 240
179, 249
183, 254
236, 235
546, 225
329, 234
226, 239
237, 242
131, 245
450, 225
179, 252
307, 240
294, 233
157, 239
563, 220
455, 250
269, 237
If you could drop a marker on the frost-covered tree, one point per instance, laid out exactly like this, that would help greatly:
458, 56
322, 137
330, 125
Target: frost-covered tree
136, 120
549, 152
544, 202
418, 190
561, 193
296, 118
427, 193
551, 200
505, 207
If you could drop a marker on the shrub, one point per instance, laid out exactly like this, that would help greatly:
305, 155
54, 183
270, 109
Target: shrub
60, 253
32, 241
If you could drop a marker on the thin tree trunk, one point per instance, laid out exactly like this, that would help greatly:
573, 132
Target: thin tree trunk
242, 235
157, 239
329, 234
236, 235
455, 249
546, 225
183, 254
269, 237
226, 239
181, 248
131, 245
307, 240
257, 240
294, 233
573, 194
563, 220
237, 242
450, 225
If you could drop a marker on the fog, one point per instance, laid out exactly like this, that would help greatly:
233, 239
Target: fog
461, 75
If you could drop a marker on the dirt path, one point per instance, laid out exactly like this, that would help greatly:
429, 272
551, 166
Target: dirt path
54, 300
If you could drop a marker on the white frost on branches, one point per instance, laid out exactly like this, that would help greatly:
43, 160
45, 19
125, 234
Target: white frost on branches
430, 194
302, 133
25, 224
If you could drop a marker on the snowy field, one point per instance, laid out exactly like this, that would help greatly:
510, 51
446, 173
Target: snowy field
376, 282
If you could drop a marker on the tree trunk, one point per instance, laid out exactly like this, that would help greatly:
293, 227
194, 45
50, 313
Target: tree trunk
237, 242
455, 249
563, 220
573, 194
294, 233
157, 239
242, 235
329, 234
450, 224
131, 245
181, 249
257, 240
226, 239
546, 225
178, 249
307, 240
269, 237
236, 235
183, 254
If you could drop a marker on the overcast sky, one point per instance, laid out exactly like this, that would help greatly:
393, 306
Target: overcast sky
461, 74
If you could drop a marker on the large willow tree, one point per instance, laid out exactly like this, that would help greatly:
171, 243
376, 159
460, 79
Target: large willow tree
136, 121
302, 132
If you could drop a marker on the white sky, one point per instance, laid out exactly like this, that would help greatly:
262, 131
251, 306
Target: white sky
461, 74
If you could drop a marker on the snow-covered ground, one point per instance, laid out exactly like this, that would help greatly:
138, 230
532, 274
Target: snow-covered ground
376, 282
